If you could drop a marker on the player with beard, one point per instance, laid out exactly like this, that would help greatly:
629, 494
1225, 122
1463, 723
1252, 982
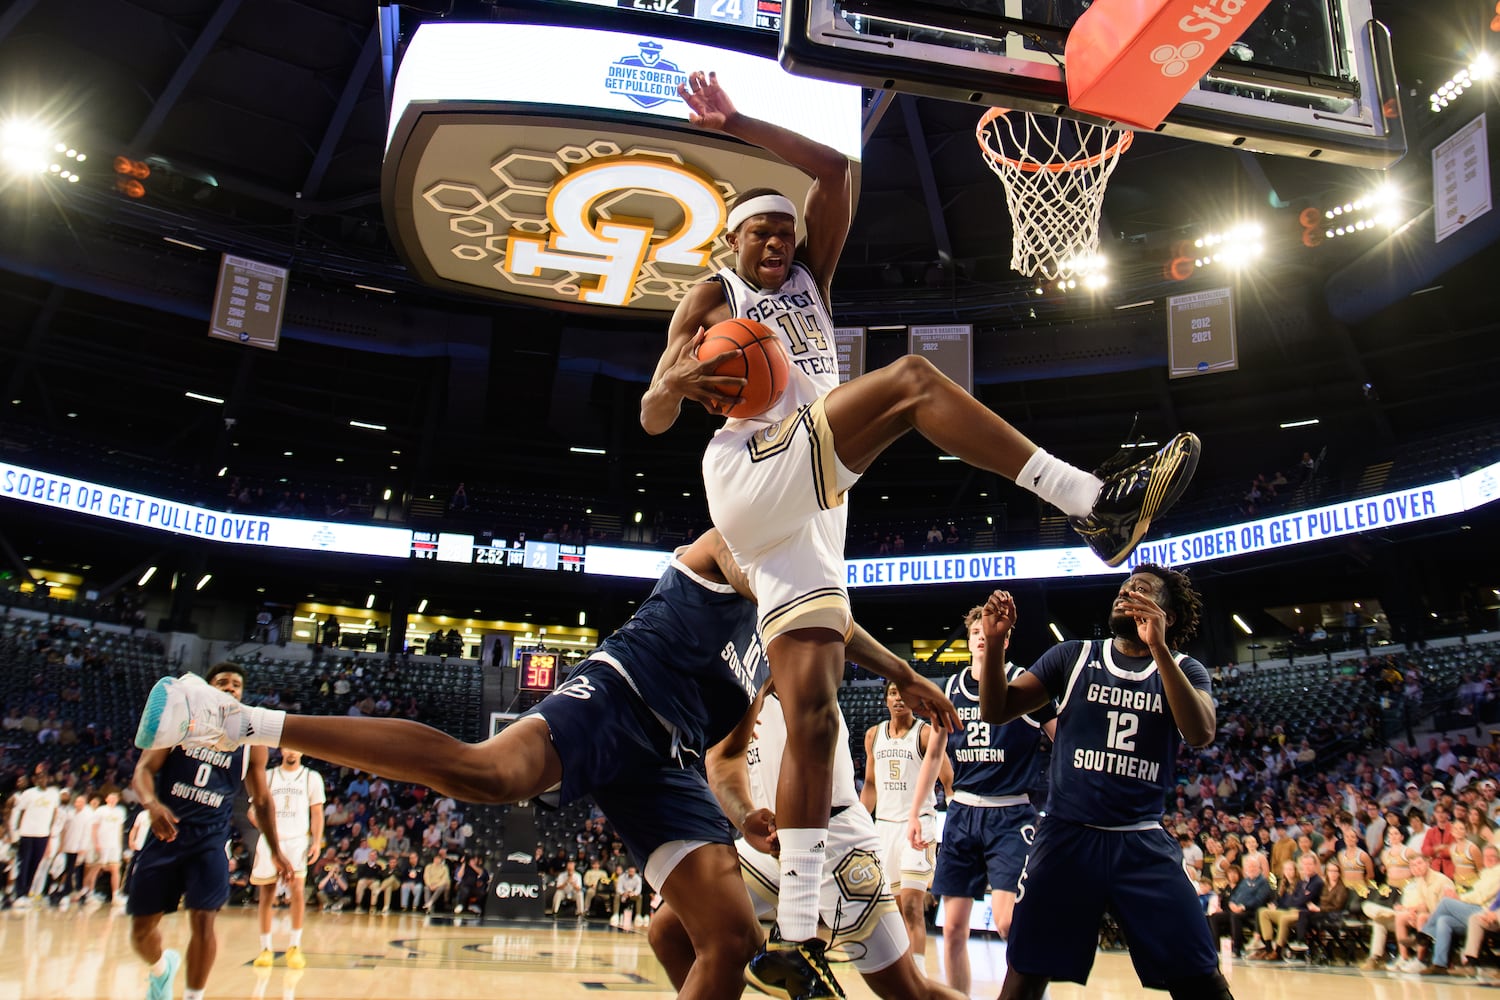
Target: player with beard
1124, 706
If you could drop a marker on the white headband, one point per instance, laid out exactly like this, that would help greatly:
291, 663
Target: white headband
765, 204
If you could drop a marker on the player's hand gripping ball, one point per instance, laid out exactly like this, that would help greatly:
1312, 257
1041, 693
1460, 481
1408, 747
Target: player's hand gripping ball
762, 362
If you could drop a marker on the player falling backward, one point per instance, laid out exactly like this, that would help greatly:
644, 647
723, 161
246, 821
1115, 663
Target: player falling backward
671, 682
1124, 707
854, 904
775, 483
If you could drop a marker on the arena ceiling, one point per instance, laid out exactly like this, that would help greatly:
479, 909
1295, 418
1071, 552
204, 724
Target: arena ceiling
265, 120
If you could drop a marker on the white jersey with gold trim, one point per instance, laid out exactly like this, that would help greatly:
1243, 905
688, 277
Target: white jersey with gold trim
769, 746
897, 761
295, 794
796, 311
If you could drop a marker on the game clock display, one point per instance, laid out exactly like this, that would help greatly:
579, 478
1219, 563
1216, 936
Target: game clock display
762, 14
538, 671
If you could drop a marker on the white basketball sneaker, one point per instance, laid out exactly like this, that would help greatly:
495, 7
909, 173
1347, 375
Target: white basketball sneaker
187, 711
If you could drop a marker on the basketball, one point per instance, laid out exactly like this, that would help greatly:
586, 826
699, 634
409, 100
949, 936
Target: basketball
764, 363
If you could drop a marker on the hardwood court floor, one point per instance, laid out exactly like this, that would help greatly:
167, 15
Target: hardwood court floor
47, 955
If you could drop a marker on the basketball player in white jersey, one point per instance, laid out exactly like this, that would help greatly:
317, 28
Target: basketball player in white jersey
298, 795
775, 483
854, 902
109, 846
894, 752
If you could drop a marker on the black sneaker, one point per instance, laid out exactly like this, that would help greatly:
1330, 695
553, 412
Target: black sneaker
793, 970
1133, 495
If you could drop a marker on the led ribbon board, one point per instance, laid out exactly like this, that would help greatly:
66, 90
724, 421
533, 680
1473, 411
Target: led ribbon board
1389, 510
555, 165
80, 496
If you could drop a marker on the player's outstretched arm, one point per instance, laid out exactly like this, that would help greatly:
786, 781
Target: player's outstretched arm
1001, 700
920, 694
728, 772
827, 211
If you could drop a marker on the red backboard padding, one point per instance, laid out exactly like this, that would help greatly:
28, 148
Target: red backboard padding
1132, 61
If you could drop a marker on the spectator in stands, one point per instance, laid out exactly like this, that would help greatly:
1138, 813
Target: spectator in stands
371, 872
333, 888
1241, 911
592, 877
390, 885
1418, 899
1452, 914
437, 877
473, 883
569, 886
1328, 909
627, 897
1301, 886
413, 892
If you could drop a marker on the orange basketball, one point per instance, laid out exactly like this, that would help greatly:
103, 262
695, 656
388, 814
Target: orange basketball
764, 363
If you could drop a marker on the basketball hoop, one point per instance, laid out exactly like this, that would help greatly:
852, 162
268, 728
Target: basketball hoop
1055, 171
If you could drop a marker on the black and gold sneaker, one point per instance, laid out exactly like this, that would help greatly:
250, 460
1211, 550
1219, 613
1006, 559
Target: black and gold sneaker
793, 970
1134, 494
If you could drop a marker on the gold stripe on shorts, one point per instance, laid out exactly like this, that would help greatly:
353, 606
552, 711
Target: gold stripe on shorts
827, 607
758, 884
811, 420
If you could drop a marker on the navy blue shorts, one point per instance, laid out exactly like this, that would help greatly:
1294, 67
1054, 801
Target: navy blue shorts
614, 748
193, 869
1077, 872
984, 848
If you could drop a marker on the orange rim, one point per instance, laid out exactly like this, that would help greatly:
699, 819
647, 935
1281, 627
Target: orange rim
1067, 166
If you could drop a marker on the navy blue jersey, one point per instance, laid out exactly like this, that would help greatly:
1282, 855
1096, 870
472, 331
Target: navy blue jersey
694, 655
1117, 743
988, 759
199, 786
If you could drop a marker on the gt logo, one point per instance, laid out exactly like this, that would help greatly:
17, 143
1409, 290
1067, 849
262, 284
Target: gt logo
614, 249
579, 687
1175, 59
859, 876
863, 874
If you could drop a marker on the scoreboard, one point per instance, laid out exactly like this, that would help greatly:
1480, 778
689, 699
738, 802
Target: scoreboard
539, 671
762, 14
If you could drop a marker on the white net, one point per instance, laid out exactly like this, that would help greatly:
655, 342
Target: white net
1055, 171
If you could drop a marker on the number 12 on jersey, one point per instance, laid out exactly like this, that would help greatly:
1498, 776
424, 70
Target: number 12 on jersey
1122, 728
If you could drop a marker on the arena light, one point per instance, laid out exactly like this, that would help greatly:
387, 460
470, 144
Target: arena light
370, 601
422, 607
1481, 68
1237, 246
1288, 425
26, 146
1057, 632
583, 618
182, 243
204, 398
203, 581
1244, 626
375, 288
575, 449
146, 577
367, 426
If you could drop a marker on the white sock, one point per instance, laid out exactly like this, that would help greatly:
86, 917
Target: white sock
265, 942
192, 995
160, 966
803, 852
261, 726
921, 961
1069, 489
296, 938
